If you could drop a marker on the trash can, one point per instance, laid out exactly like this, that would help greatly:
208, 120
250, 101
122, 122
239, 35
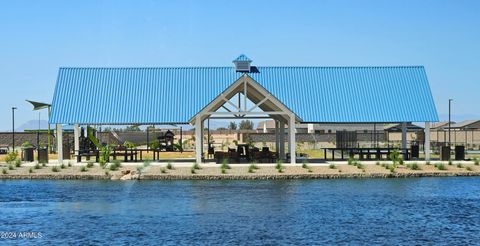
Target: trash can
415, 151
42, 155
27, 154
459, 153
445, 153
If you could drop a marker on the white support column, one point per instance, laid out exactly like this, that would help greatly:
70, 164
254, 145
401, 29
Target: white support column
426, 145
291, 129
265, 127
404, 137
60, 143
76, 140
310, 128
198, 139
282, 140
277, 139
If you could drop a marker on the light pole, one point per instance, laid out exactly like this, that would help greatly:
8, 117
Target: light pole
449, 121
13, 128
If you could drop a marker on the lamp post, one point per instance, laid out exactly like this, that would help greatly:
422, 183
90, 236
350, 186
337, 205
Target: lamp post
449, 121
13, 128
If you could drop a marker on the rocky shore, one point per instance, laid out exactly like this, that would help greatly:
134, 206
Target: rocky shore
239, 172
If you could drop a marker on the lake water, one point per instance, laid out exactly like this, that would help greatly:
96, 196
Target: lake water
346, 211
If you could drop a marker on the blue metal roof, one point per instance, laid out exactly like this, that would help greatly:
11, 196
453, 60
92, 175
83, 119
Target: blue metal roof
174, 95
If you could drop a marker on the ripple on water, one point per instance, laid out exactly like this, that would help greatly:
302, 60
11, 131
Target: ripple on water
358, 211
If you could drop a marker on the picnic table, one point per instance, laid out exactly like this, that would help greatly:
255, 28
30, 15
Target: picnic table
365, 153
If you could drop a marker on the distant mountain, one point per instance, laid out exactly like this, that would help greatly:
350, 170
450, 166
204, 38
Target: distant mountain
32, 125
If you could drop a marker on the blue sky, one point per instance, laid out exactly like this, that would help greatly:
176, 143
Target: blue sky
38, 37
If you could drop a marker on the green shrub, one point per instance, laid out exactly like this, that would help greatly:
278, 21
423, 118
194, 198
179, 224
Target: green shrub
377, 163
413, 166
350, 161
62, 166
11, 156
37, 166
196, 166
305, 165
383, 165
392, 169
400, 161
163, 170
55, 169
30, 170
469, 168
129, 145
251, 169
90, 164
279, 165
192, 170
360, 165
476, 161
83, 169
4, 171
69, 164
107, 173
146, 163
225, 164
115, 165
18, 163
395, 157
440, 166
169, 166
11, 167
223, 170
44, 164
332, 166
310, 170
140, 169
428, 163
459, 165
450, 162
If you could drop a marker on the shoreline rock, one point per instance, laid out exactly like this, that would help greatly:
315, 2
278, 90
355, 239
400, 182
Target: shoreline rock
134, 176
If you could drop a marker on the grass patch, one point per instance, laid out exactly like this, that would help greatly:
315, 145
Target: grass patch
115, 165
83, 169
440, 166
90, 164
252, 168
225, 164
196, 166
414, 166
55, 169
332, 166
279, 166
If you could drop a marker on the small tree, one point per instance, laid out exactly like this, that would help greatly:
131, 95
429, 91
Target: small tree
246, 125
232, 126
